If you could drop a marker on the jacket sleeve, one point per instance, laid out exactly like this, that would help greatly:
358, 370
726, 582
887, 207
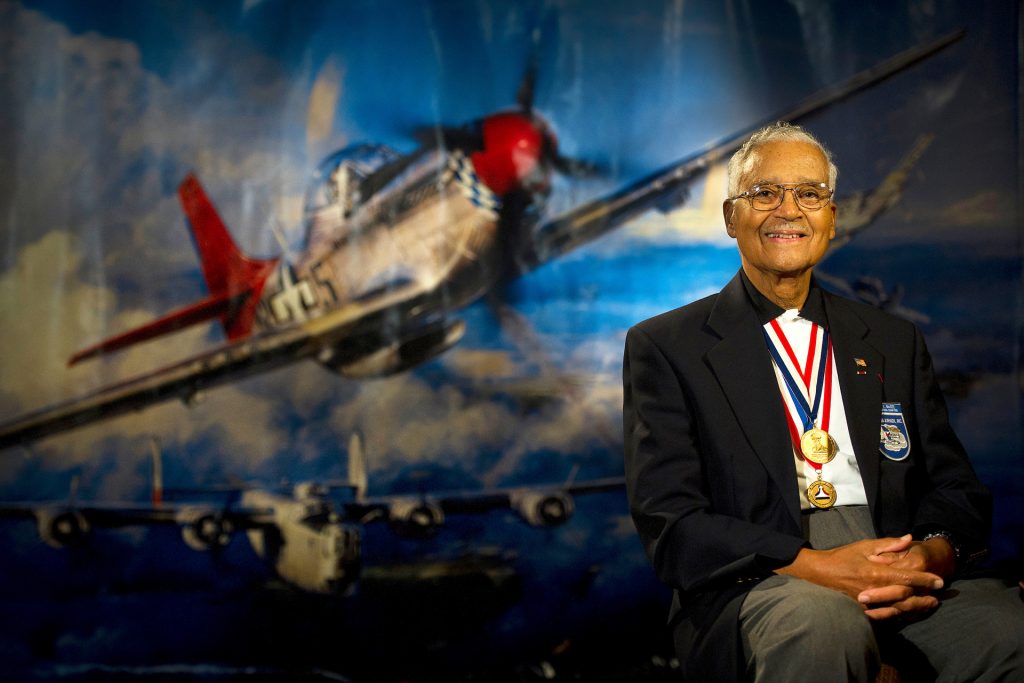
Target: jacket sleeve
690, 541
954, 500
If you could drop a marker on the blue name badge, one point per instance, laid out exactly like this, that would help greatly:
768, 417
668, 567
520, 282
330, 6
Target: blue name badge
895, 441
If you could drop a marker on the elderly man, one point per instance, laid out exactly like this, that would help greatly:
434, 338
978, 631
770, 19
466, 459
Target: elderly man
791, 468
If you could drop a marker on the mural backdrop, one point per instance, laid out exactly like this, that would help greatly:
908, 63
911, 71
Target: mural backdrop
377, 436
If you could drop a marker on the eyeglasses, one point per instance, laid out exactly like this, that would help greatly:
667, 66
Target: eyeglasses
811, 196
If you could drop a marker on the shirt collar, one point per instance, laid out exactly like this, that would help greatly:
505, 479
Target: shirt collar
767, 310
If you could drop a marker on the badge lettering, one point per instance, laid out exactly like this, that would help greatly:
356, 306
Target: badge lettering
894, 440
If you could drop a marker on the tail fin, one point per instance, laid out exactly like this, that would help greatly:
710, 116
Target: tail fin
235, 281
227, 271
357, 466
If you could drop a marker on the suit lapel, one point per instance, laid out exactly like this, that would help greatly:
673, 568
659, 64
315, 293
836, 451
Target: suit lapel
862, 393
743, 368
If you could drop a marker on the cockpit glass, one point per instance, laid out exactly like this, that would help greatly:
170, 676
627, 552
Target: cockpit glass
337, 179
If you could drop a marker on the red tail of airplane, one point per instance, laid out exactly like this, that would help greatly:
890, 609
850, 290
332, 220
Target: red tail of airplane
233, 280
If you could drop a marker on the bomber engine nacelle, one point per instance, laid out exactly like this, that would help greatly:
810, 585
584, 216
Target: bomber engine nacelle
62, 527
412, 349
204, 529
544, 508
415, 517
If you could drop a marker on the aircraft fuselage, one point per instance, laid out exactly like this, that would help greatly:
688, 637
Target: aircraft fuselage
306, 545
420, 231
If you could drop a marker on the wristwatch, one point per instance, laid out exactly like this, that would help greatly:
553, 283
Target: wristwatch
952, 543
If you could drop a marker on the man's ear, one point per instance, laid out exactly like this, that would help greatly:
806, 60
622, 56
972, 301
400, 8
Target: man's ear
835, 211
727, 212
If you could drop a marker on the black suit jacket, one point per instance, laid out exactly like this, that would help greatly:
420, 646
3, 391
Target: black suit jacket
710, 471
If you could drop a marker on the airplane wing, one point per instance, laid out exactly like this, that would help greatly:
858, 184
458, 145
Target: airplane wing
497, 499
860, 210
207, 526
668, 187
66, 523
539, 506
107, 515
351, 331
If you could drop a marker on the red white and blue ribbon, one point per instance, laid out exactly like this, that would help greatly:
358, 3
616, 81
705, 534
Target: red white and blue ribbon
800, 392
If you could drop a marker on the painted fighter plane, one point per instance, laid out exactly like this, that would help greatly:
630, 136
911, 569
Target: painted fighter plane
304, 536
395, 247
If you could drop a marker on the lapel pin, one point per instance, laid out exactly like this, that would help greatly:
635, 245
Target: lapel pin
861, 363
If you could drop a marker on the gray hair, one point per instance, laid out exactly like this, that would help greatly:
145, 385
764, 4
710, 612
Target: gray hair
743, 160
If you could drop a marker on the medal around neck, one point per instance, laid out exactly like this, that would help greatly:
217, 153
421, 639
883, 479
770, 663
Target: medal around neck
821, 494
818, 446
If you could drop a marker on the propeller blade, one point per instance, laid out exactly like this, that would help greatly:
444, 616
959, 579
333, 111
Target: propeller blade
545, 31
575, 168
465, 138
527, 86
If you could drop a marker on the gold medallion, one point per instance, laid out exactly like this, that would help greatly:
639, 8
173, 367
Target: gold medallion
818, 446
821, 494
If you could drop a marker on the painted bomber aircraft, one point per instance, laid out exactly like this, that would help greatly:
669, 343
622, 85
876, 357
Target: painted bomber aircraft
305, 538
395, 247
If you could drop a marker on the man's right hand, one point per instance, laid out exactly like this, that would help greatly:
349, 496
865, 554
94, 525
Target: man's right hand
885, 591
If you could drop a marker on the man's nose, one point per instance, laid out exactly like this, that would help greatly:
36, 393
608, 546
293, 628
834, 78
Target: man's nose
789, 207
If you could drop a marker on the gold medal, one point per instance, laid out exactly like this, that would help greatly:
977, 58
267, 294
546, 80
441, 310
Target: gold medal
821, 494
818, 446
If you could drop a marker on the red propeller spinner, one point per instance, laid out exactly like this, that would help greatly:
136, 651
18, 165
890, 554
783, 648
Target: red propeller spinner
517, 151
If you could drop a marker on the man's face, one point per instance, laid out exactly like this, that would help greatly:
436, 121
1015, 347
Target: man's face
789, 240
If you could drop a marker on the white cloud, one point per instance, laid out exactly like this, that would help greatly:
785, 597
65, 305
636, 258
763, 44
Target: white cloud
323, 103
40, 338
480, 364
113, 131
47, 313
404, 419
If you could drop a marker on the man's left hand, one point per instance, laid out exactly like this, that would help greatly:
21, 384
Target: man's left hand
934, 555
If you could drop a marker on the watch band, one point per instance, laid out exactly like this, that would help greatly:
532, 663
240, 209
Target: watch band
952, 542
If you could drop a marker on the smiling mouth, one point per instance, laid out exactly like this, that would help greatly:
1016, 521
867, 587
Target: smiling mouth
784, 235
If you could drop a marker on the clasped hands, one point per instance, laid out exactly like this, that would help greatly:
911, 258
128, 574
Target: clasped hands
888, 577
